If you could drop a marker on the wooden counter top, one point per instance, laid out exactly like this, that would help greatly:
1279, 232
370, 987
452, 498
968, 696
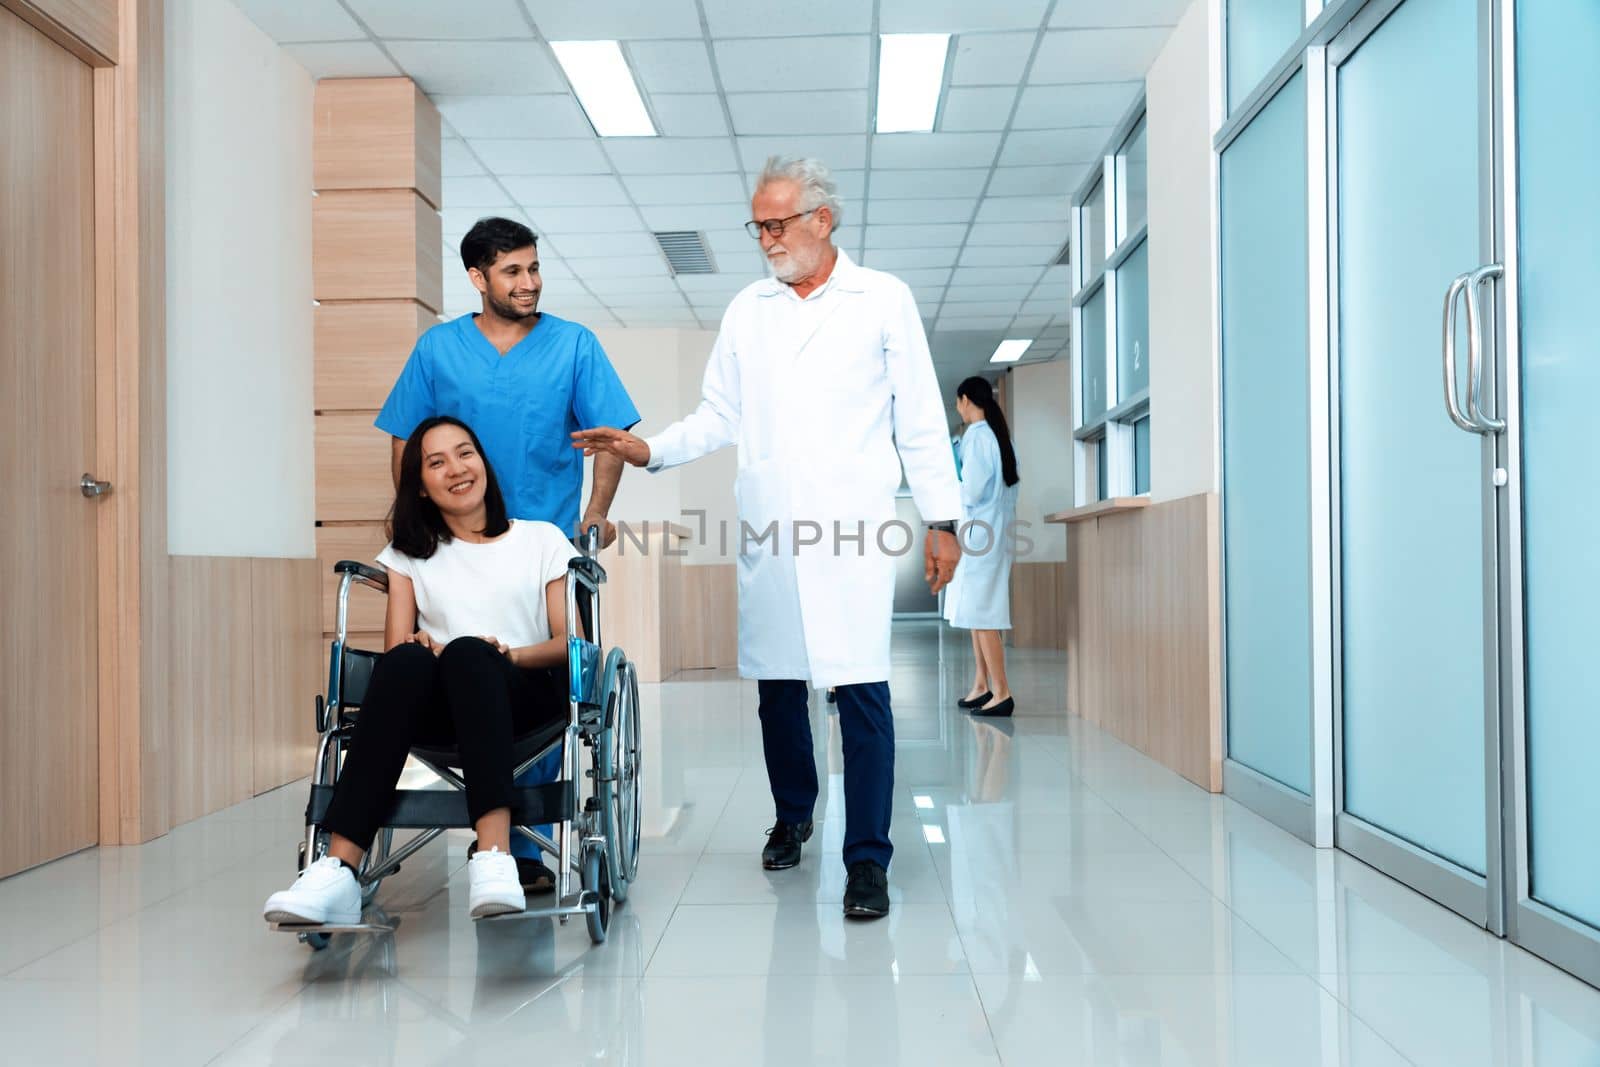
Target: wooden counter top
1101, 507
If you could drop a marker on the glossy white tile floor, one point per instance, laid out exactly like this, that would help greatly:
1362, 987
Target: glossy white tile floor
1058, 899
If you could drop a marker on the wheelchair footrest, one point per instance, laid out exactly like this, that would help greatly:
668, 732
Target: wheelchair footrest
426, 809
333, 928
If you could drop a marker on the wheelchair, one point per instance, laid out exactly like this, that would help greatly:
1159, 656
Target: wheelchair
597, 828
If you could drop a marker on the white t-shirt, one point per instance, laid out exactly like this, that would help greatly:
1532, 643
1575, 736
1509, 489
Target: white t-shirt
494, 589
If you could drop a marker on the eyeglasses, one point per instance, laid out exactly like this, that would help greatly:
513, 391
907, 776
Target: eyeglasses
772, 226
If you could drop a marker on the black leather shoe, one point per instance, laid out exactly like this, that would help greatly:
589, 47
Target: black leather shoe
866, 891
975, 702
1002, 709
783, 845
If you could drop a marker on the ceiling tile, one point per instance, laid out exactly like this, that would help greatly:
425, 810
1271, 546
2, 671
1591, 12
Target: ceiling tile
455, 160
1018, 233
1029, 147
618, 286
672, 155
759, 18
698, 217
927, 297
686, 189
537, 194
637, 243
958, 16
794, 63
1007, 255
844, 152
479, 191
924, 277
1058, 106
621, 292
303, 20
963, 322
1073, 56
489, 20
458, 220
824, 112
689, 114
586, 219
1019, 276
342, 59
1023, 209
920, 151
459, 290
477, 67
977, 109
991, 59
536, 155
969, 291
928, 184
615, 20
920, 211
976, 308
618, 266
1074, 13
933, 235
545, 115
1033, 323
1034, 181
894, 259
701, 287
733, 241
639, 318
672, 66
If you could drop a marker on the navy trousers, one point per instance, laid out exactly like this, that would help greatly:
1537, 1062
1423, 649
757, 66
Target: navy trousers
866, 726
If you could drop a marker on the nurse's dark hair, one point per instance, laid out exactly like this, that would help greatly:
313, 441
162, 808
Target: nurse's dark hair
978, 391
492, 237
416, 526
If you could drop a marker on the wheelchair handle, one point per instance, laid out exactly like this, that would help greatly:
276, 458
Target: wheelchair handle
589, 541
370, 575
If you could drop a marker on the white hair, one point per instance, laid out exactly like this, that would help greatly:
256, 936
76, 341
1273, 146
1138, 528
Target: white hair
817, 187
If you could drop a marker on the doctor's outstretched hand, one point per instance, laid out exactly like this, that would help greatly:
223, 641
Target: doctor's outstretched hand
620, 443
941, 551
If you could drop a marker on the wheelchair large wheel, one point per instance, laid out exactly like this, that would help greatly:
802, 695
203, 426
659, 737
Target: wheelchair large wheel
596, 886
619, 761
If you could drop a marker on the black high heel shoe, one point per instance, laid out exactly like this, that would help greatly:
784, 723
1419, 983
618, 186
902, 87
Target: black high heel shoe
975, 702
1000, 710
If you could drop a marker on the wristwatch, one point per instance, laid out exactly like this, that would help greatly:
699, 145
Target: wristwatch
943, 527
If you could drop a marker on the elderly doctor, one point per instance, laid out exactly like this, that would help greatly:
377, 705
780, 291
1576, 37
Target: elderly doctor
815, 601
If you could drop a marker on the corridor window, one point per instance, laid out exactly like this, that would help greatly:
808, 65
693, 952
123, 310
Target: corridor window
1111, 319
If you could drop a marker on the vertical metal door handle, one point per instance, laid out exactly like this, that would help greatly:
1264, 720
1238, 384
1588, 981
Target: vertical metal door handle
1477, 366
1451, 405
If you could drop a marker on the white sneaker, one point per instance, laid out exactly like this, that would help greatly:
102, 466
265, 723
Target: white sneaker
326, 892
494, 887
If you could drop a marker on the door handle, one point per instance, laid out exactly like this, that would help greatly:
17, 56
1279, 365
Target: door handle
92, 488
1452, 405
1476, 364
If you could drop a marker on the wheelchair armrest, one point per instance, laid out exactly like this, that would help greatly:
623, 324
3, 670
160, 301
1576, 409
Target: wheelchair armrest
590, 566
364, 574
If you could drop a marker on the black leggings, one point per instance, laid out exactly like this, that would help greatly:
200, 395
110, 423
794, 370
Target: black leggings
470, 696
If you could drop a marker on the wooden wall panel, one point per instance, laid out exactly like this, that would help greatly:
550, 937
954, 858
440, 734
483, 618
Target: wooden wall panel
287, 670
88, 29
708, 605
1038, 605
1144, 631
361, 349
380, 244
376, 133
353, 479
210, 762
361, 542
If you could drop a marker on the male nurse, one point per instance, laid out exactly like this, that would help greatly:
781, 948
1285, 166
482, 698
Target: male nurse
524, 380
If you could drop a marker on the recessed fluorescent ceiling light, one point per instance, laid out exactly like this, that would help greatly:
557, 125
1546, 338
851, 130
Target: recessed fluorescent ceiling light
910, 75
605, 87
1010, 350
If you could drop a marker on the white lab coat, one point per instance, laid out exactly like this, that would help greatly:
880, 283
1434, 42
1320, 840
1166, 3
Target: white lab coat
825, 397
980, 596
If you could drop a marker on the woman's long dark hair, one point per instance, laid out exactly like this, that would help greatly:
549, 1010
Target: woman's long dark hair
416, 527
978, 391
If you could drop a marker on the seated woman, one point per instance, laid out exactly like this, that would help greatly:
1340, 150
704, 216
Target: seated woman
476, 654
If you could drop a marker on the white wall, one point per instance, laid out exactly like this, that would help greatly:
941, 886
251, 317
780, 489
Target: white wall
1039, 399
1183, 365
240, 470
662, 369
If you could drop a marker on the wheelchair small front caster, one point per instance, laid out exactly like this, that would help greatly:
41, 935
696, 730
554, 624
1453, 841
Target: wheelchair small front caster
316, 939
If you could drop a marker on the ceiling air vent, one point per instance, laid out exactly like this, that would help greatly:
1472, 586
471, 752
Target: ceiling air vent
686, 252
1064, 256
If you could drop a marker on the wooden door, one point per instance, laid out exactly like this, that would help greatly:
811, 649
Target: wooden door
48, 662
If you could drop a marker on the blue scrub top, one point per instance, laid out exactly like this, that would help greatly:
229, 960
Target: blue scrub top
523, 405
